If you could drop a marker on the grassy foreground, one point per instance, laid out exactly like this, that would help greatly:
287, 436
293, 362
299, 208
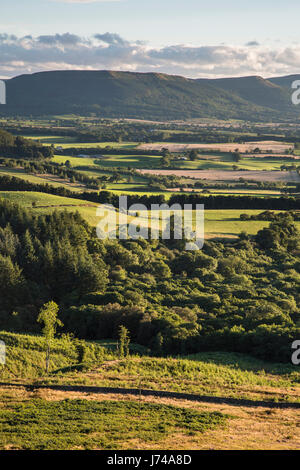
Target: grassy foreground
51, 419
214, 374
81, 424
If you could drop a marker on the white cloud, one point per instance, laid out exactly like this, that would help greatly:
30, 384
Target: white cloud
110, 51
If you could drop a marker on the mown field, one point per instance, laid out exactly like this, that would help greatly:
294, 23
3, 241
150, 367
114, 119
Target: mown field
230, 175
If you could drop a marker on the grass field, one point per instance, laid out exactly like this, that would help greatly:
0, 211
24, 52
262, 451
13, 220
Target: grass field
210, 162
218, 223
41, 424
125, 161
52, 139
41, 179
225, 427
68, 141
226, 163
212, 373
47, 203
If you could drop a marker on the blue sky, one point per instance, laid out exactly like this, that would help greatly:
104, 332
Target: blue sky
193, 37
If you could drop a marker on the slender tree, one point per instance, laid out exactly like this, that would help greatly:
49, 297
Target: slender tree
124, 341
48, 316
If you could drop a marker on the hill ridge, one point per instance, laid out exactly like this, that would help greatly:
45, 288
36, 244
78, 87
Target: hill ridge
149, 95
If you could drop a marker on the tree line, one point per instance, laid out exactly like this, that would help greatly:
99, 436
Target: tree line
16, 147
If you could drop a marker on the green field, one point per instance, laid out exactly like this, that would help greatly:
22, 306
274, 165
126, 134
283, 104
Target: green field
52, 180
47, 203
218, 223
217, 162
81, 424
52, 139
226, 163
125, 161
68, 141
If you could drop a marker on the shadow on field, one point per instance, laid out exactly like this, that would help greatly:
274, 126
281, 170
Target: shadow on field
157, 393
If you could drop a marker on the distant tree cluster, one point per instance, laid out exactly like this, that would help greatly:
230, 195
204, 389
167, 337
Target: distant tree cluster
19, 147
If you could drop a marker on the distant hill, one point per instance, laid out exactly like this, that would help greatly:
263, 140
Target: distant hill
258, 91
149, 96
284, 82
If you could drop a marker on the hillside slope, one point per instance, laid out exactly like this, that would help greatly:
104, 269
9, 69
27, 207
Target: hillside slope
147, 95
257, 91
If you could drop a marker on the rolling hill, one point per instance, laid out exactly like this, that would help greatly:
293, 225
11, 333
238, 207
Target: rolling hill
149, 96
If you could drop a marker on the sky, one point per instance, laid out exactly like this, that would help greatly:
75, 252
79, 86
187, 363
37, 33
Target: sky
194, 38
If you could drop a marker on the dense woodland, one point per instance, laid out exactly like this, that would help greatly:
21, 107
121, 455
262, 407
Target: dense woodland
238, 296
18, 147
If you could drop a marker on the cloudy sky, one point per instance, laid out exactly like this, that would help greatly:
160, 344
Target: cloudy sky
195, 38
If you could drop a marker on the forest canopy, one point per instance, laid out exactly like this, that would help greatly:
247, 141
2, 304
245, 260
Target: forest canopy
235, 296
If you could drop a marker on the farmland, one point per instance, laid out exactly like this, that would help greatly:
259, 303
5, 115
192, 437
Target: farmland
217, 175
39, 179
263, 146
41, 203
133, 161
209, 331
218, 223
